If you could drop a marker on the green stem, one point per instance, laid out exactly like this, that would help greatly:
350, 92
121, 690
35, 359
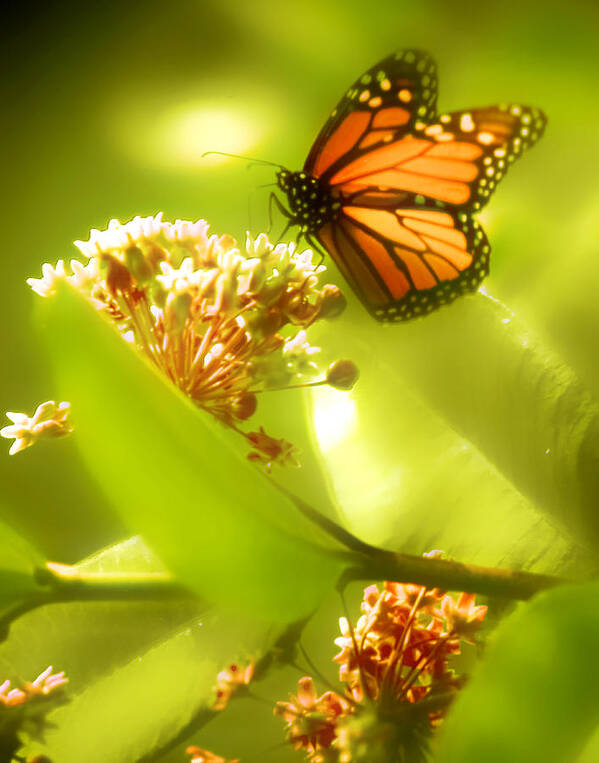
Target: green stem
367, 562
60, 583
449, 575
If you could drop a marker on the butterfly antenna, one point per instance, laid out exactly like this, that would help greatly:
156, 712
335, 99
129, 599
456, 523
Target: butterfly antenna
247, 158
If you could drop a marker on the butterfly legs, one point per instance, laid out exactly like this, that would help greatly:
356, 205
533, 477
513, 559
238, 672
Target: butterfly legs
313, 243
291, 221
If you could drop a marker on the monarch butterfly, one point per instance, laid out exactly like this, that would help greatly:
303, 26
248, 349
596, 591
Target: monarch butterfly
389, 187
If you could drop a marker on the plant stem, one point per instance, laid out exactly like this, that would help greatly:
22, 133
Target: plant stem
367, 562
60, 583
378, 564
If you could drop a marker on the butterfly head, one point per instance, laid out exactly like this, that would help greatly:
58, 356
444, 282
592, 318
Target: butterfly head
310, 202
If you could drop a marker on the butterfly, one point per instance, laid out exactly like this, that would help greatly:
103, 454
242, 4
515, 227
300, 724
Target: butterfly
390, 187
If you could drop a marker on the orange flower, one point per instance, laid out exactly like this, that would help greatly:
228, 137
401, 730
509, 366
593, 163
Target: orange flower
268, 450
463, 618
398, 682
43, 685
312, 720
229, 681
200, 755
400, 646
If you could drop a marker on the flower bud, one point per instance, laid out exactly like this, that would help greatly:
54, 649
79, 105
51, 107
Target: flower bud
155, 254
137, 264
158, 294
118, 277
179, 308
271, 291
251, 276
265, 323
342, 374
333, 302
244, 406
227, 242
224, 289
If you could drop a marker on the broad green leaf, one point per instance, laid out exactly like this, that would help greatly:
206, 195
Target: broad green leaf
143, 705
174, 477
590, 754
570, 319
534, 698
130, 555
90, 639
463, 433
18, 561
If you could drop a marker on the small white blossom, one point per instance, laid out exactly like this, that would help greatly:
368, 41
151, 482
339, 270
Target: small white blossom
49, 420
84, 276
299, 356
177, 279
181, 230
119, 236
46, 286
257, 247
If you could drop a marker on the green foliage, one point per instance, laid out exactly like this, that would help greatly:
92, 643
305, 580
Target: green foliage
416, 459
534, 698
89, 639
139, 672
453, 415
18, 560
466, 434
172, 474
138, 708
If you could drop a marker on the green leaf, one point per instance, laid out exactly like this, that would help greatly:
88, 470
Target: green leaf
570, 317
463, 433
89, 639
18, 560
535, 695
173, 476
143, 705
590, 753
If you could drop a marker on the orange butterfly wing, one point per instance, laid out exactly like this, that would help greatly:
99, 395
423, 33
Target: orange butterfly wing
404, 262
380, 107
405, 183
456, 160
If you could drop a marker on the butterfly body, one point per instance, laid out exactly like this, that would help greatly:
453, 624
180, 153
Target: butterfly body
390, 187
311, 203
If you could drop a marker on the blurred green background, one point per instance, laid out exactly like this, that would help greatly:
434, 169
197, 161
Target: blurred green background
109, 106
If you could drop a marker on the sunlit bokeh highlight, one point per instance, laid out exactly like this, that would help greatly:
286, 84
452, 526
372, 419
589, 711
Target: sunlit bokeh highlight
334, 416
352, 467
175, 133
185, 134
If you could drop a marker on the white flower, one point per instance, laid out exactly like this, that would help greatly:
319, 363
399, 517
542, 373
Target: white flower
46, 285
182, 230
176, 279
49, 420
118, 236
84, 276
210, 314
299, 355
257, 247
